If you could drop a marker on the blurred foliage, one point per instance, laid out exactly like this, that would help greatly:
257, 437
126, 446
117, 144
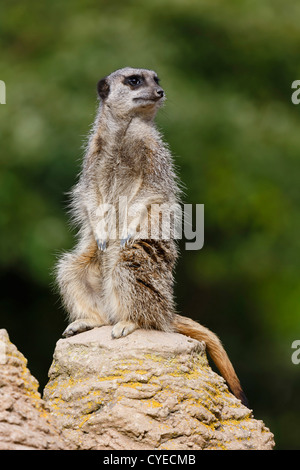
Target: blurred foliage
227, 68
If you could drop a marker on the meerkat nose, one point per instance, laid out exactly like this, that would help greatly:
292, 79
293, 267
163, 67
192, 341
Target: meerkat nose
159, 92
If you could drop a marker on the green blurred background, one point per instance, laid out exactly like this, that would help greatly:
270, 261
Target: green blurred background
227, 68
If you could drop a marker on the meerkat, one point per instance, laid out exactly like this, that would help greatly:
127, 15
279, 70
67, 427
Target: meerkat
126, 280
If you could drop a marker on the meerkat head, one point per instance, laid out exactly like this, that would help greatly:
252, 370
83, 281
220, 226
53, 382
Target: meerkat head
130, 92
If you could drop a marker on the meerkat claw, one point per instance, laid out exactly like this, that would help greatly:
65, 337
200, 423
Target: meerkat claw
125, 241
78, 326
123, 328
101, 244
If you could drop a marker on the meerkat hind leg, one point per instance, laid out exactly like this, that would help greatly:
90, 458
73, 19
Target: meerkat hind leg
123, 328
81, 325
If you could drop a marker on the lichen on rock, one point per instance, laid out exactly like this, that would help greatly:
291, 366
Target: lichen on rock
149, 390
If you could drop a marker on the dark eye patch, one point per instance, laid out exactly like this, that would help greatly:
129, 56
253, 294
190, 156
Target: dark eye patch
134, 81
156, 79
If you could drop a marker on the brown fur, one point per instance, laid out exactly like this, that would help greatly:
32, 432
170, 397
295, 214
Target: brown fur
188, 327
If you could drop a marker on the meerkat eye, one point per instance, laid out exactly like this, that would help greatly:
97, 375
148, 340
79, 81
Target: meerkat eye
133, 80
157, 80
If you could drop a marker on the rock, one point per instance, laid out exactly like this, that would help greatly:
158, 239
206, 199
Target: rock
24, 422
149, 390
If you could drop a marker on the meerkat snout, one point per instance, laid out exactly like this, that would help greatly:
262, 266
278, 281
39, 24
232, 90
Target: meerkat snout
159, 92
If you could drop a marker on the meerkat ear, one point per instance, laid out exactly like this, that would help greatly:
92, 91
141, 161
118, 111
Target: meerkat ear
103, 88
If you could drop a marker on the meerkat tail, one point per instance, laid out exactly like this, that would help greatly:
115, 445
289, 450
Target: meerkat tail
188, 327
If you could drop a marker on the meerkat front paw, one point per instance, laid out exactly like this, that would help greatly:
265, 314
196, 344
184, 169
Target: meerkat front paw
101, 244
125, 241
78, 326
123, 328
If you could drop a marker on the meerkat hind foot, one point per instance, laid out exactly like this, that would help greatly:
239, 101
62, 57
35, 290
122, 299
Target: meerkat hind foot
123, 328
79, 326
